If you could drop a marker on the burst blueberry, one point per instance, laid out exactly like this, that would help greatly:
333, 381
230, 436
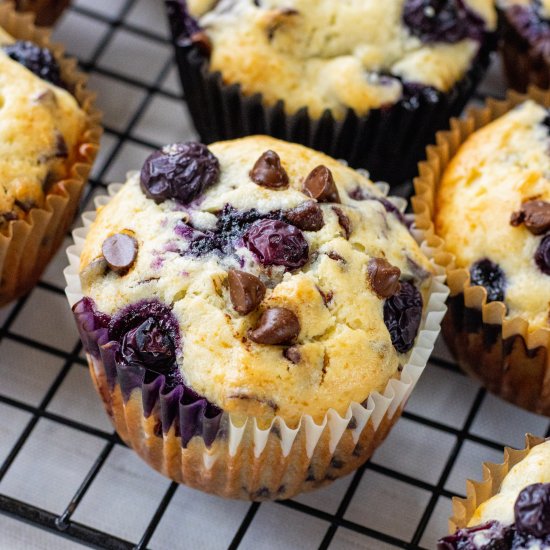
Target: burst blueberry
402, 316
275, 242
489, 275
442, 21
532, 510
181, 171
542, 255
39, 61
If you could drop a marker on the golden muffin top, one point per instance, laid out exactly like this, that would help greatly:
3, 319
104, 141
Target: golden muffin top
493, 211
286, 283
358, 54
40, 127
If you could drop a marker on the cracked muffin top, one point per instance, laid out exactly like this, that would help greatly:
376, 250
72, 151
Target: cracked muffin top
518, 516
40, 127
493, 211
263, 275
358, 54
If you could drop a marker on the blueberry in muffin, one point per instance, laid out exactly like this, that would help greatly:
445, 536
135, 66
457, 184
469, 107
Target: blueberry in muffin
518, 516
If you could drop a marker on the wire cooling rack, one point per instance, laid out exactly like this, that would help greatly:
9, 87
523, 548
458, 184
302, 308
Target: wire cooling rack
67, 480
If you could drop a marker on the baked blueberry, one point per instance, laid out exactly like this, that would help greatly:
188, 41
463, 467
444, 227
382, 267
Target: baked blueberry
181, 171
442, 20
39, 61
532, 510
542, 255
402, 316
489, 275
275, 242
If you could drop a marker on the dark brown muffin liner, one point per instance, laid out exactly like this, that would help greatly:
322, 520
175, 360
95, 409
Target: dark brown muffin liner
193, 442
524, 63
479, 492
388, 142
27, 245
47, 12
510, 358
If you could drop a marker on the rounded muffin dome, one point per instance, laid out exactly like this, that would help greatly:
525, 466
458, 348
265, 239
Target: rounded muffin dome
263, 276
360, 54
493, 211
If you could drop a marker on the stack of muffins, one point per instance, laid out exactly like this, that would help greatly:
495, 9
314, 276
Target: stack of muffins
256, 313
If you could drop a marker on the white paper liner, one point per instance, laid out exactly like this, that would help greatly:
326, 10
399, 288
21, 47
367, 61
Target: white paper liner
378, 407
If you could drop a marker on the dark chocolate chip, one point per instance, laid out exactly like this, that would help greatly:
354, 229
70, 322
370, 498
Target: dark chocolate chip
343, 220
120, 252
246, 291
535, 215
308, 216
293, 354
327, 296
384, 277
336, 257
277, 325
268, 171
202, 42
319, 185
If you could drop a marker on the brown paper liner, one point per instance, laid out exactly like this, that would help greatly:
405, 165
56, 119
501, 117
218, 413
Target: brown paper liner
511, 359
480, 491
47, 12
241, 476
27, 245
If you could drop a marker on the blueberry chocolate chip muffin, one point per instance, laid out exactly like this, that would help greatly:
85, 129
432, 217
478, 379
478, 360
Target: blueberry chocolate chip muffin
525, 44
491, 213
517, 517
335, 59
252, 277
41, 127
49, 137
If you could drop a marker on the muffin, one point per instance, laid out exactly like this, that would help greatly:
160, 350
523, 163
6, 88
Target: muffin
47, 12
525, 42
485, 197
49, 136
366, 81
243, 307
510, 509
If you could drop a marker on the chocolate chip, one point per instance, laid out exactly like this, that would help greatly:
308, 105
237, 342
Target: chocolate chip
245, 290
327, 296
343, 220
268, 171
336, 257
384, 277
320, 185
293, 354
535, 215
277, 325
120, 252
202, 42
308, 216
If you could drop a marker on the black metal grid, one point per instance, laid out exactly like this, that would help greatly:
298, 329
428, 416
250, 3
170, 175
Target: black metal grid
63, 524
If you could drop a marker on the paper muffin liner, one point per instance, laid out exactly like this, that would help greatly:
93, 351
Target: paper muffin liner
480, 491
524, 64
47, 12
193, 442
388, 141
27, 245
510, 358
